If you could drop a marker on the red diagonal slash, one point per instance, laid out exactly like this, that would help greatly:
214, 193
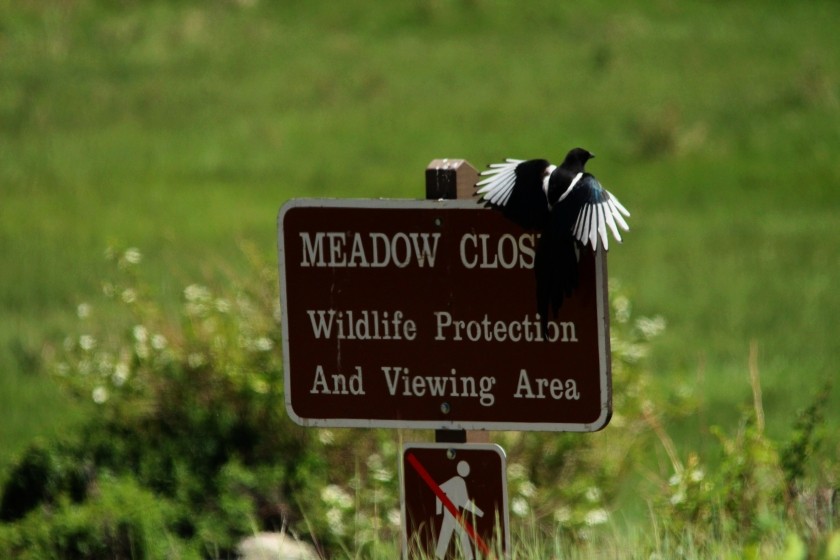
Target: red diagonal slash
427, 478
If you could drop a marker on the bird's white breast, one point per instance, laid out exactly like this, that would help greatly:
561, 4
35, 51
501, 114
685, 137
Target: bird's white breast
548, 171
570, 187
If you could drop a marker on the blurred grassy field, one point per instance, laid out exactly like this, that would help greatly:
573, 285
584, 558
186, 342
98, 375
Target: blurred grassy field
180, 127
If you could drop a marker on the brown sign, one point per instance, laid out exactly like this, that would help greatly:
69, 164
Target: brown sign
423, 314
454, 501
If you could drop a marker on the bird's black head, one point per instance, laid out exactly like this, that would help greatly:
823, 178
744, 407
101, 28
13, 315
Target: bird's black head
577, 158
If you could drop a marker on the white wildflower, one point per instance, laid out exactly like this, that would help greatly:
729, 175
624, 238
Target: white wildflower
99, 394
84, 367
141, 336
516, 471
83, 310
259, 386
140, 333
621, 305
129, 295
382, 475
593, 494
120, 375
326, 437
651, 327
678, 498
634, 352
87, 342
222, 305
196, 293
562, 514
158, 342
195, 360
519, 506
334, 495
104, 363
596, 517
132, 255
374, 461
263, 344
335, 521
527, 489
395, 517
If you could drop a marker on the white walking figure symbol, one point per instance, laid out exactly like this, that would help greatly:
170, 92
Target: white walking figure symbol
456, 490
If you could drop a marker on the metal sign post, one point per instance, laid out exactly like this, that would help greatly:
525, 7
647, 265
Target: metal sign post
422, 314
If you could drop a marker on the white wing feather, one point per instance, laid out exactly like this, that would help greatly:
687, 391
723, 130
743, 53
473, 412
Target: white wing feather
501, 178
594, 219
611, 223
602, 227
593, 225
568, 189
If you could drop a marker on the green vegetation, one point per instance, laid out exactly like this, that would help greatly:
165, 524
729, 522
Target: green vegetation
190, 450
179, 127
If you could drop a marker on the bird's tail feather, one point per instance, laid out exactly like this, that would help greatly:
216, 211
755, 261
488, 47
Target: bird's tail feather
556, 272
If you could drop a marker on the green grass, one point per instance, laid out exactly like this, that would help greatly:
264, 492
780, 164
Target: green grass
180, 128
615, 542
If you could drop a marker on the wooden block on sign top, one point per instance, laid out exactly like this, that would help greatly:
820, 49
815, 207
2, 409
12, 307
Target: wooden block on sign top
450, 179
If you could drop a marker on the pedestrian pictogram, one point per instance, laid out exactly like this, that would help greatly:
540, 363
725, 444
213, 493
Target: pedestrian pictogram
454, 501
455, 490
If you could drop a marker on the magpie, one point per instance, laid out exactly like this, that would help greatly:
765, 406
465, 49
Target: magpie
567, 206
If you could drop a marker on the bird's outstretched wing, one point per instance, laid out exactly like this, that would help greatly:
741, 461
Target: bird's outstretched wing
598, 210
517, 188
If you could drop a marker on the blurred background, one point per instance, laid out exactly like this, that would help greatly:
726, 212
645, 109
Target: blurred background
179, 128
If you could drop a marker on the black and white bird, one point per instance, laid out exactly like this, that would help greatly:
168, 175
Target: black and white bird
566, 205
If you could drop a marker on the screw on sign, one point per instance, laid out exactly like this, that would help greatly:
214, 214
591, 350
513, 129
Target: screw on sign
454, 501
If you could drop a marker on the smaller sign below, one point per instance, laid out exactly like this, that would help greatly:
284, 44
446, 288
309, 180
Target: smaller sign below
454, 501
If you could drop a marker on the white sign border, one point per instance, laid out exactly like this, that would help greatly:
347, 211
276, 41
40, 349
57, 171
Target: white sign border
602, 311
